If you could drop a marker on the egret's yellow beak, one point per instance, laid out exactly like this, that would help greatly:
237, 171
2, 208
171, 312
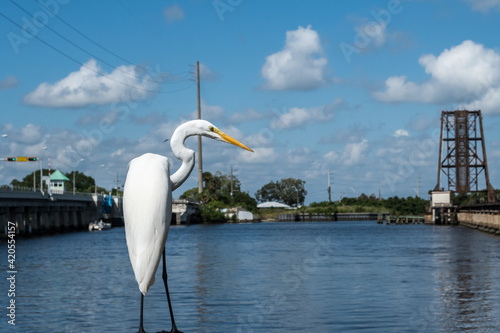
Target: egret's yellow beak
230, 140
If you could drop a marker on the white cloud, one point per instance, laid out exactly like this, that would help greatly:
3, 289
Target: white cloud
118, 152
345, 135
260, 155
296, 117
245, 117
376, 32
332, 156
299, 66
262, 138
466, 74
31, 134
108, 119
400, 132
207, 74
352, 154
91, 85
484, 5
8, 83
208, 112
173, 13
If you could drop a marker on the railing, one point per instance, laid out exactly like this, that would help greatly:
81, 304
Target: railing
8, 188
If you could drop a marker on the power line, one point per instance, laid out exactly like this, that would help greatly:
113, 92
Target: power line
65, 54
71, 42
88, 67
83, 35
93, 41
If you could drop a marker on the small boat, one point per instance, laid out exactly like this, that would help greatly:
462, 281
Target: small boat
99, 226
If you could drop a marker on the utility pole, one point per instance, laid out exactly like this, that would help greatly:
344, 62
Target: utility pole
73, 182
418, 185
34, 178
41, 177
200, 162
329, 188
231, 181
117, 184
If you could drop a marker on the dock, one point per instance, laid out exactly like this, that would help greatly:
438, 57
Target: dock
487, 220
311, 217
403, 219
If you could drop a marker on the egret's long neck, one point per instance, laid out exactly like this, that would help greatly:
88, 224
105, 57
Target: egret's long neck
182, 153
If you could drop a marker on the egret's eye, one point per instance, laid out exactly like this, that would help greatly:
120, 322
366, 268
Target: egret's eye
212, 129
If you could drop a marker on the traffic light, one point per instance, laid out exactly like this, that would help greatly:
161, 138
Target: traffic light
21, 159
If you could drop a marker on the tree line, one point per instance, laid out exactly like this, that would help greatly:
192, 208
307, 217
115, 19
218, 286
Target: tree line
83, 183
394, 205
223, 190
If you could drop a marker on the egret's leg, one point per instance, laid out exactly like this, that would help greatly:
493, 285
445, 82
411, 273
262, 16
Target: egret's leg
164, 276
141, 328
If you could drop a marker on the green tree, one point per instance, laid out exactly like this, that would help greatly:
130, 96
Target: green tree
28, 179
217, 187
210, 212
84, 183
290, 191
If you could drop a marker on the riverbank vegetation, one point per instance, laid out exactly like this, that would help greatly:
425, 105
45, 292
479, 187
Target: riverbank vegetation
225, 191
362, 204
220, 191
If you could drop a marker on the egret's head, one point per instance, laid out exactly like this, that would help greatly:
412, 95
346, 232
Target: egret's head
201, 127
213, 132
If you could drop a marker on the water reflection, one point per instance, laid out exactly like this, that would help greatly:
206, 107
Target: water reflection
466, 296
268, 277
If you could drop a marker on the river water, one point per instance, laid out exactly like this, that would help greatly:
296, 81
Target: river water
265, 277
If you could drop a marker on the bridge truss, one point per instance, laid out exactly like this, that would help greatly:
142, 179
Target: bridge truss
464, 161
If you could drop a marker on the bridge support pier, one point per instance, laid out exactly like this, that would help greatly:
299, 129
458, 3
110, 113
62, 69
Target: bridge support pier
17, 216
4, 218
55, 223
44, 219
35, 220
64, 217
484, 220
73, 221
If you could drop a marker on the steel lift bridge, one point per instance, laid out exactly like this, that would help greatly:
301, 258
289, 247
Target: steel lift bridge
462, 153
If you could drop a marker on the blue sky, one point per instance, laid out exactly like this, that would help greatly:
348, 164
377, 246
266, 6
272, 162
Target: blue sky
353, 87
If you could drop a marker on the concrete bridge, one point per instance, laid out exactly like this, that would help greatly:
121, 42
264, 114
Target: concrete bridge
37, 213
34, 212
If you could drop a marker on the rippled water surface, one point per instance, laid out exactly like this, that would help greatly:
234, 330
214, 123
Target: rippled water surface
265, 277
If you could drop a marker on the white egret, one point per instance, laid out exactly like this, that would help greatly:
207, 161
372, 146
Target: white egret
147, 204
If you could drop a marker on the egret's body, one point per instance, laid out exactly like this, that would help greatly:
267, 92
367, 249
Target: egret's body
147, 204
151, 201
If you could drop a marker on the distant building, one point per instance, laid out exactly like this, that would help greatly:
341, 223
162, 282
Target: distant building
239, 213
57, 179
440, 203
272, 204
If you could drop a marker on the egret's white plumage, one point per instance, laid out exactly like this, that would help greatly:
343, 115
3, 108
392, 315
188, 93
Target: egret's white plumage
147, 198
147, 202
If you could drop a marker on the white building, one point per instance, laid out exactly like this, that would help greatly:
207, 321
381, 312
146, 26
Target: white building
57, 179
440, 201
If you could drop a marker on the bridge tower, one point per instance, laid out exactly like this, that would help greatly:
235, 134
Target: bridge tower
463, 160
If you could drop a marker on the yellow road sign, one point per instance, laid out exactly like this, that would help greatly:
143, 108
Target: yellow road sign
22, 159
